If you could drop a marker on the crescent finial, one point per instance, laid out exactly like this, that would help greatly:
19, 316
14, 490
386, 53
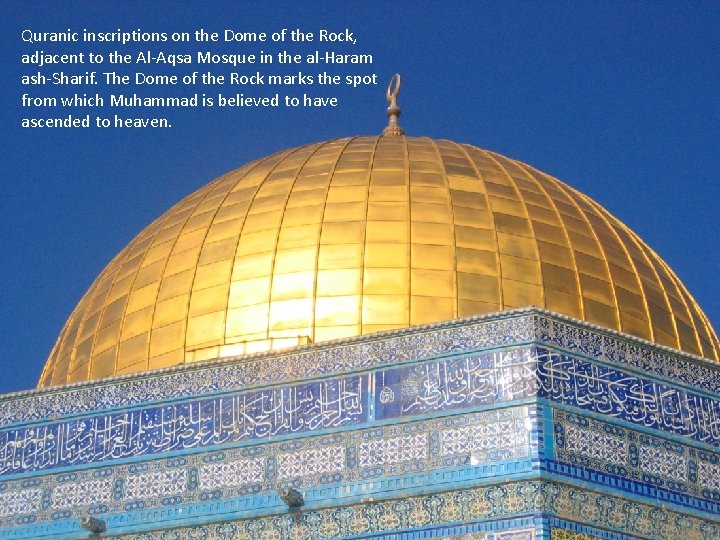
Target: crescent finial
393, 111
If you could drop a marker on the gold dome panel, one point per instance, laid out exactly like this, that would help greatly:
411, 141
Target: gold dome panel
358, 235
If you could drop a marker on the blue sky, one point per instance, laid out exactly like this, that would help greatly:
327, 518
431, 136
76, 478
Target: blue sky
618, 99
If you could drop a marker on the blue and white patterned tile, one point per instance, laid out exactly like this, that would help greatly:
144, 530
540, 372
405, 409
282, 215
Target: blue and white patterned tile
195, 424
386, 451
576, 337
527, 534
660, 461
151, 485
595, 445
231, 473
436, 515
380, 452
79, 494
494, 441
455, 383
15, 503
709, 475
622, 395
470, 380
312, 462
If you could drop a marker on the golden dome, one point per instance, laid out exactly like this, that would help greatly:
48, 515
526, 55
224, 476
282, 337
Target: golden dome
357, 235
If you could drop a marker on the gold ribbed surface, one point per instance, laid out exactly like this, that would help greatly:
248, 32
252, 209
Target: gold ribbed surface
357, 235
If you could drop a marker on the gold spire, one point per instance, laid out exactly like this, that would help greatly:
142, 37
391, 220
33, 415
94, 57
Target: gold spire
393, 129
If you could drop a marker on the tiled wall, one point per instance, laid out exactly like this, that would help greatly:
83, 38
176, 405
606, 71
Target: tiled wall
450, 406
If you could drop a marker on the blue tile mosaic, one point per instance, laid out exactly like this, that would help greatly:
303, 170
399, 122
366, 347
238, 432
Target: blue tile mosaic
645, 465
348, 465
494, 509
400, 414
618, 394
181, 426
608, 346
448, 384
455, 383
